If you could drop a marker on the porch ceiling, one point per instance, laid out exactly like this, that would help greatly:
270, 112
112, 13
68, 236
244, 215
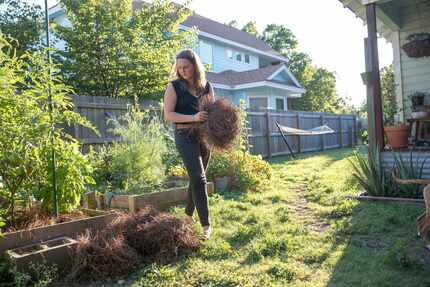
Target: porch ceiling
388, 12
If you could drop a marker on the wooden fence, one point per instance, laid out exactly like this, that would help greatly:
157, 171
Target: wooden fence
98, 110
266, 140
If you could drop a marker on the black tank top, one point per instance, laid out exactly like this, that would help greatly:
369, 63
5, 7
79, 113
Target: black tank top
186, 103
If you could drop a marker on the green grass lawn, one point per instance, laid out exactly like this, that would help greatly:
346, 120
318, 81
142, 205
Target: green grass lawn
302, 231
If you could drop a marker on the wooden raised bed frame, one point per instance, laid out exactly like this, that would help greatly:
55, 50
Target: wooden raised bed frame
71, 229
160, 200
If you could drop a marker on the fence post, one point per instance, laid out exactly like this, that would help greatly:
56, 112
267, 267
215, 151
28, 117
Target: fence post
268, 134
322, 136
299, 148
75, 100
340, 132
350, 137
355, 132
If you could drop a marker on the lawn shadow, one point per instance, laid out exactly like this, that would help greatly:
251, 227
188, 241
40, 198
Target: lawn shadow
379, 247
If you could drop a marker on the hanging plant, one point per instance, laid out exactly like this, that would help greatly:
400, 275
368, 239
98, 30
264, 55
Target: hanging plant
418, 45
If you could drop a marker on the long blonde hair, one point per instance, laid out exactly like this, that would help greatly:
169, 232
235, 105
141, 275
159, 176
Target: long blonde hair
199, 70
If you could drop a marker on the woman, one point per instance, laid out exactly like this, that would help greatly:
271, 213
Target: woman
181, 107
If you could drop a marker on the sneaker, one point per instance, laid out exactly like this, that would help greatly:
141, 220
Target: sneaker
207, 231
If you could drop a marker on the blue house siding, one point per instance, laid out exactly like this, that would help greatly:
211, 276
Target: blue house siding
222, 63
245, 94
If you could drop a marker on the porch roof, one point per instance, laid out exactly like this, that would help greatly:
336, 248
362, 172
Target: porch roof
388, 13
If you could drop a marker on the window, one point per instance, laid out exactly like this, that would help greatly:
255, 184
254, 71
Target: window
280, 104
205, 50
239, 57
230, 54
247, 58
258, 103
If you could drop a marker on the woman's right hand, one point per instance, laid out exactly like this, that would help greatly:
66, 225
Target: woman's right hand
200, 116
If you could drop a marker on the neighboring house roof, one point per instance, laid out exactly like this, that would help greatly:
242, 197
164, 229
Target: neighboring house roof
230, 33
258, 77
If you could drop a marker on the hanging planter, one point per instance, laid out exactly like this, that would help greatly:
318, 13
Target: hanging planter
418, 45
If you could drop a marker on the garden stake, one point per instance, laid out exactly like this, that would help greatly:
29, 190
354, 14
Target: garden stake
54, 176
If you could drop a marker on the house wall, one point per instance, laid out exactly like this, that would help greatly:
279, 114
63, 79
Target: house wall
222, 63
412, 74
271, 93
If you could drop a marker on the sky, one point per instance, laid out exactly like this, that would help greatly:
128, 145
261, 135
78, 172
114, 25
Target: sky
328, 32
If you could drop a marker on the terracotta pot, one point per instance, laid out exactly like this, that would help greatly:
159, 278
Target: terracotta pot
397, 136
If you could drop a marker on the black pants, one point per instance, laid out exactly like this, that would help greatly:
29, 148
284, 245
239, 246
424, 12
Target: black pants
196, 158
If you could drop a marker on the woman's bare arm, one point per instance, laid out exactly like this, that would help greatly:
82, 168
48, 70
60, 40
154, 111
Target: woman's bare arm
169, 109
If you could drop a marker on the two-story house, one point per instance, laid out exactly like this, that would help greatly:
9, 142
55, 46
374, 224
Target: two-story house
242, 66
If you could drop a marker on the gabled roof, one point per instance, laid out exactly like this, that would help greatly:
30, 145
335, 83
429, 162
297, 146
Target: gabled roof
230, 33
263, 76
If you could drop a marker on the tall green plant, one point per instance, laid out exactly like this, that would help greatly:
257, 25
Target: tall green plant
408, 169
136, 161
370, 174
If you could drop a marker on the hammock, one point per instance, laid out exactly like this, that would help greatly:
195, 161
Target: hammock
322, 130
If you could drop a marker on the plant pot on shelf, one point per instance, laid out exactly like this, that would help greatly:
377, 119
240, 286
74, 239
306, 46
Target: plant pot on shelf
397, 136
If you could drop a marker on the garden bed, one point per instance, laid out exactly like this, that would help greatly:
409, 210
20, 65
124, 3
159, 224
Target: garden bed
96, 220
160, 200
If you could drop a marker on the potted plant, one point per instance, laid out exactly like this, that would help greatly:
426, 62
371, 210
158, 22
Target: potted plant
397, 135
220, 171
418, 45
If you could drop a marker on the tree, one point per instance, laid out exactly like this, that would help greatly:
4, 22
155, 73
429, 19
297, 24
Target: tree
388, 93
320, 93
319, 83
112, 51
280, 38
233, 23
251, 28
22, 22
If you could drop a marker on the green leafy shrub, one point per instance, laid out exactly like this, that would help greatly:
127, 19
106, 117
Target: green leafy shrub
135, 163
73, 173
27, 130
249, 172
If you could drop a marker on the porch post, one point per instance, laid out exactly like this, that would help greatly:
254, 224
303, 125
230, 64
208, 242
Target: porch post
375, 77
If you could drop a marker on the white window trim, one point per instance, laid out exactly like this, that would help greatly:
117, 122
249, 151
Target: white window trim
232, 54
212, 52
